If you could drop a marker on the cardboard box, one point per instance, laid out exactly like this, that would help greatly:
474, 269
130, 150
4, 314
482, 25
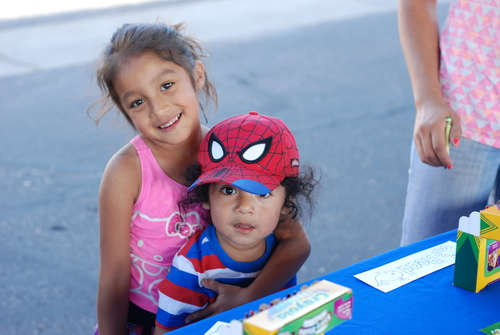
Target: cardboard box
314, 310
490, 223
477, 262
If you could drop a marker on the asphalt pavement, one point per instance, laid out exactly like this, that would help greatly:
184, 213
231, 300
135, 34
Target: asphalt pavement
332, 70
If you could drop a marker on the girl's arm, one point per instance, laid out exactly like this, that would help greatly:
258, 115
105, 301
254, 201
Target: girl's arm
118, 190
285, 262
419, 34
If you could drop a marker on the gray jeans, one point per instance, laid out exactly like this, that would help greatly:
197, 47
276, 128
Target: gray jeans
436, 197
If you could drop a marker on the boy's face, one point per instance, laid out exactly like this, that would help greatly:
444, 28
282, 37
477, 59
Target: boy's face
243, 220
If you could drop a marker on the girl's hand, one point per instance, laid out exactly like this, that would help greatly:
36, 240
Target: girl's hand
229, 296
429, 135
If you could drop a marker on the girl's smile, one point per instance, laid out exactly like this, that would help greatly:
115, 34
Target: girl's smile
171, 122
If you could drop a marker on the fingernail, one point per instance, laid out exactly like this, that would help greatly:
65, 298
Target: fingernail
449, 166
456, 141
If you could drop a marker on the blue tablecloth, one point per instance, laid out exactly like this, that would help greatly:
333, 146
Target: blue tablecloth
429, 305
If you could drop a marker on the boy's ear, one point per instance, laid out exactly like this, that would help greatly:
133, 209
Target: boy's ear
285, 210
206, 205
199, 75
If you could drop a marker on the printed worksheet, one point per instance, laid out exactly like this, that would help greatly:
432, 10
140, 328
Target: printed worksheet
215, 329
405, 270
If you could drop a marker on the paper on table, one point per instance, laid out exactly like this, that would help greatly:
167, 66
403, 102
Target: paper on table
398, 273
214, 330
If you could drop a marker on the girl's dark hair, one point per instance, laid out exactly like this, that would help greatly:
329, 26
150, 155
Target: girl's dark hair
133, 40
297, 191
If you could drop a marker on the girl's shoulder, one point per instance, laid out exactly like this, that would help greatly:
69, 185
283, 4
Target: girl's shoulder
122, 176
128, 151
125, 162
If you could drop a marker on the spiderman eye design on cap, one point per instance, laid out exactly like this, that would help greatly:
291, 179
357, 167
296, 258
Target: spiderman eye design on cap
216, 149
255, 151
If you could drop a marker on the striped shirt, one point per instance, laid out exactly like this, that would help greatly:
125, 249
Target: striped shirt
181, 292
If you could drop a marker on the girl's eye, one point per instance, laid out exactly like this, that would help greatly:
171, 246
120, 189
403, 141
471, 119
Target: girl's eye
228, 190
166, 86
137, 103
267, 195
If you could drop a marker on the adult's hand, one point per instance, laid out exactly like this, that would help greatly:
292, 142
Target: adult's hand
429, 133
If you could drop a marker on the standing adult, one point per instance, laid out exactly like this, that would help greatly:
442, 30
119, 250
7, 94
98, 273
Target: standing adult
454, 73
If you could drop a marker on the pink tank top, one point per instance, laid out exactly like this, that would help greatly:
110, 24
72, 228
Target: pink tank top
470, 67
157, 229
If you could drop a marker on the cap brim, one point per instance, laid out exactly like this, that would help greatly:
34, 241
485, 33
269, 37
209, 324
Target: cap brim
244, 179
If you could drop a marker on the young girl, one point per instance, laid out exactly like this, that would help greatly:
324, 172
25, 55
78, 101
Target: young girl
250, 176
153, 75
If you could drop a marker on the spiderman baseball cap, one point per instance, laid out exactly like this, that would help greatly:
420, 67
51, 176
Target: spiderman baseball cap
252, 152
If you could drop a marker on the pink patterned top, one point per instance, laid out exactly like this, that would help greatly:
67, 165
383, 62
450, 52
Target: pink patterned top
470, 67
158, 230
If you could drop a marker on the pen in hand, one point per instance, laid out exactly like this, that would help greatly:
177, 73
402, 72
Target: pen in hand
447, 134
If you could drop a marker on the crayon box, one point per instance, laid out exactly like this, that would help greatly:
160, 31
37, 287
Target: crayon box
477, 262
314, 310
